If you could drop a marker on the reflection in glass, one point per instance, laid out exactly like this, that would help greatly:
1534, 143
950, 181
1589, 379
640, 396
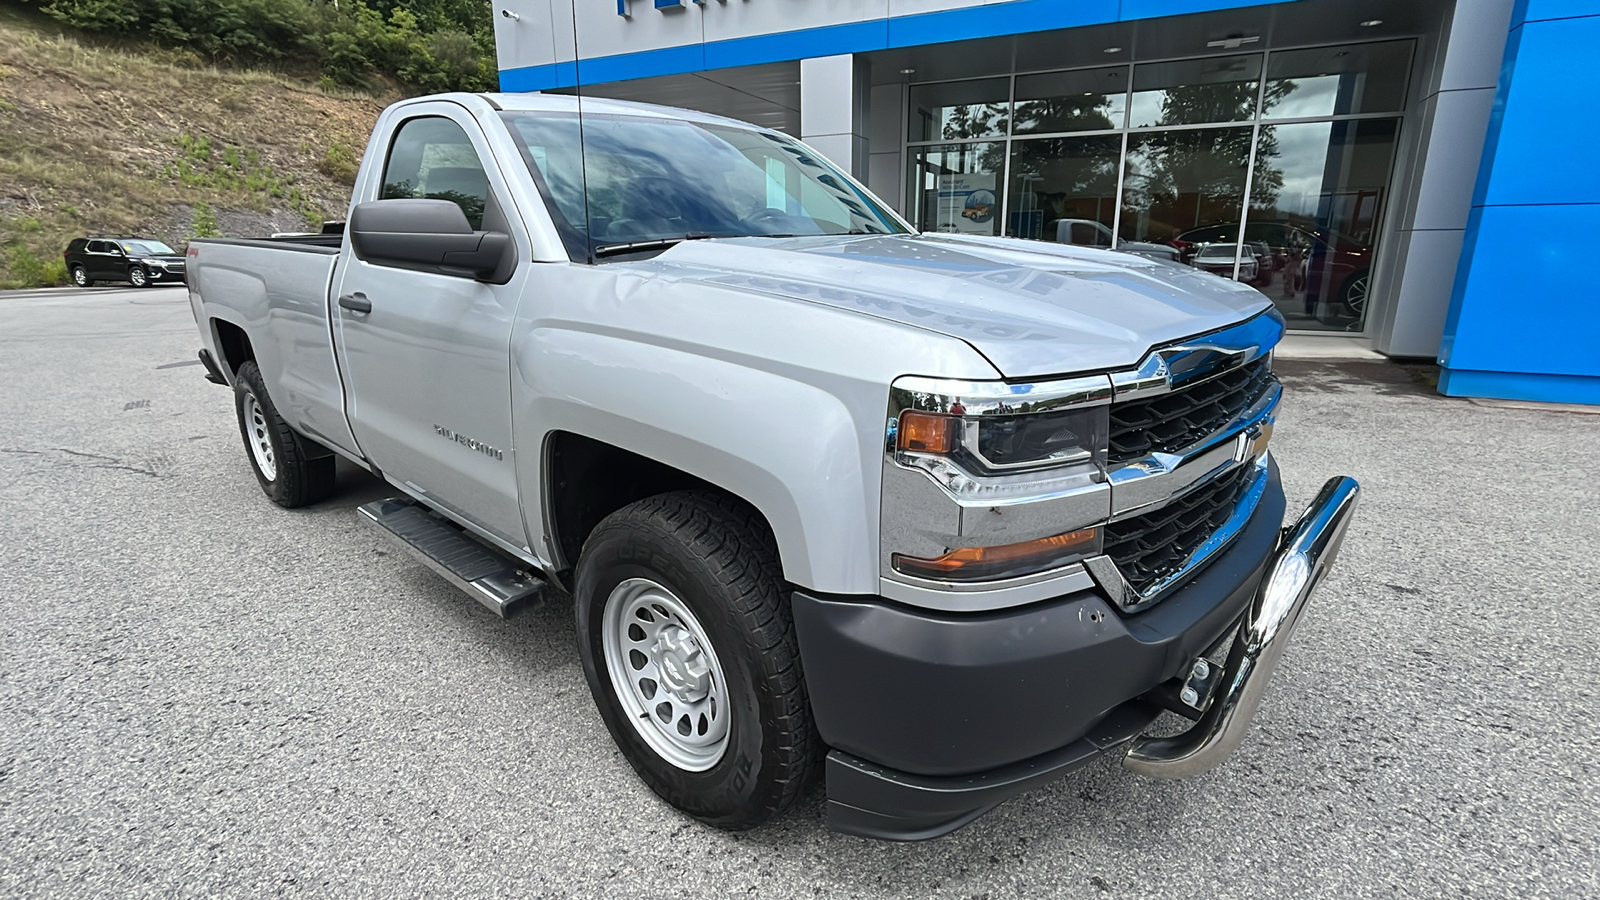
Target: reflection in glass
1064, 189
1328, 81
1316, 202
955, 188
956, 110
1179, 181
1084, 100
1195, 91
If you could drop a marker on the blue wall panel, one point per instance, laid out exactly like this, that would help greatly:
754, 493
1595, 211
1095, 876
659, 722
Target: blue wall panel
1547, 118
1536, 10
1531, 282
1524, 319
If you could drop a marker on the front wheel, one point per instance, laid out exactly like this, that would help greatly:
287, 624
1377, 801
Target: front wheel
292, 470
138, 277
688, 645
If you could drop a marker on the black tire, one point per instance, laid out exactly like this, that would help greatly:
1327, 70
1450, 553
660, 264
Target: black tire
80, 277
718, 557
138, 277
302, 470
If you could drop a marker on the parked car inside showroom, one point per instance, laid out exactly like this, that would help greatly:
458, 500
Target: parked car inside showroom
141, 262
1218, 260
1333, 268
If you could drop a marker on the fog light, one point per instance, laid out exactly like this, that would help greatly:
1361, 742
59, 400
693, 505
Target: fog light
1005, 561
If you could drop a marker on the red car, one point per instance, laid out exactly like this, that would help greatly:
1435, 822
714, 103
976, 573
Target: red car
1333, 269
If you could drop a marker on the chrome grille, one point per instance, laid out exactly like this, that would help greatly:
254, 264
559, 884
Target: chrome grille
1173, 421
1151, 547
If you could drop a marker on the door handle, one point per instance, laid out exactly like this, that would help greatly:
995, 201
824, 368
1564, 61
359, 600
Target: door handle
356, 302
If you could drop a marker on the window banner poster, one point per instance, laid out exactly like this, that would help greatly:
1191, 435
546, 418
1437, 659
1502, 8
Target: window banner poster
967, 204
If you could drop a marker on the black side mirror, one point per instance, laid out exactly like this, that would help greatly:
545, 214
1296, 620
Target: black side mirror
430, 236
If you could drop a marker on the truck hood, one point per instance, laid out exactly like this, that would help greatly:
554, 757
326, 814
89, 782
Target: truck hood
1031, 308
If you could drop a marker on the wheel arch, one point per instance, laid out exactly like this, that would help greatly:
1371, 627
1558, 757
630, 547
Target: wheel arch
233, 345
586, 479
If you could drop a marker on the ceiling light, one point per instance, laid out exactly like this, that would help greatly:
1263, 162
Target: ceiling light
908, 71
1371, 22
1113, 50
1234, 42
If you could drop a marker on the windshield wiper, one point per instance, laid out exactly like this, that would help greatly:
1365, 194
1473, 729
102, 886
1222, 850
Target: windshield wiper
652, 244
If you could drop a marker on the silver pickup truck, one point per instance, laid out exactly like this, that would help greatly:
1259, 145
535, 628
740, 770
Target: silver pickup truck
939, 517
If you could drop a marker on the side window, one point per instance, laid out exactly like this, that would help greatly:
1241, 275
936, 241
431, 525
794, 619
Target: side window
97, 247
1083, 234
432, 158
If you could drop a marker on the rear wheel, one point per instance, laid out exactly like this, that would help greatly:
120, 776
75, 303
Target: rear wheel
80, 277
138, 277
1355, 294
688, 645
292, 470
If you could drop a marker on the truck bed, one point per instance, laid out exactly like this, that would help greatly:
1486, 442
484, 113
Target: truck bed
277, 291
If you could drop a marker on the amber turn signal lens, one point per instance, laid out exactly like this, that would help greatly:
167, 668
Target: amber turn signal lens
927, 432
1007, 560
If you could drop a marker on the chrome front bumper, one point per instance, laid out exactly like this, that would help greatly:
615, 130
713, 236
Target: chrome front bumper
1305, 553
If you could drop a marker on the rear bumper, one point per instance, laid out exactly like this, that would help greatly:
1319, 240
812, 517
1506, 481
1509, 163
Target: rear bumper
934, 719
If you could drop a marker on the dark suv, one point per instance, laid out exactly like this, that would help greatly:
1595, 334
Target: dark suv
139, 261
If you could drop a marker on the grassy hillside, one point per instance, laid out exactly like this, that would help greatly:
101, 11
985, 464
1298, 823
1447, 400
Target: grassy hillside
98, 139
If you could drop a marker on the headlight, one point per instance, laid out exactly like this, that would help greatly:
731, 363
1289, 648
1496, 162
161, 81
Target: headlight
988, 446
992, 427
1050, 438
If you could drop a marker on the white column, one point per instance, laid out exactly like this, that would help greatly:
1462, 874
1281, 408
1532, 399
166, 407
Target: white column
833, 110
1417, 268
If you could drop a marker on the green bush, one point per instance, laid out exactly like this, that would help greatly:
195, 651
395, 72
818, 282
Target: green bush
428, 44
26, 270
203, 221
340, 164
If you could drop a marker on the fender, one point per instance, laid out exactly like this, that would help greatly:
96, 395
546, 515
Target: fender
772, 399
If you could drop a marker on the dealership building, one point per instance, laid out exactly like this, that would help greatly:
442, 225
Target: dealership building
1399, 177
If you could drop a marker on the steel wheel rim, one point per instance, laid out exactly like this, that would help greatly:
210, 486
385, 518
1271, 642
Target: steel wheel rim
137, 277
1358, 295
259, 438
665, 673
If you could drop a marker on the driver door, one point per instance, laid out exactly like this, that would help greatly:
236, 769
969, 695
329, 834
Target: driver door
427, 367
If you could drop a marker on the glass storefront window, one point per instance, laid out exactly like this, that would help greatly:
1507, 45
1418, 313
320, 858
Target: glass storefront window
1152, 158
1186, 189
1064, 189
955, 188
955, 110
1336, 81
1316, 202
1195, 91
1084, 100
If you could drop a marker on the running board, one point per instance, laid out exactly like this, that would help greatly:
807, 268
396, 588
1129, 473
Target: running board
493, 578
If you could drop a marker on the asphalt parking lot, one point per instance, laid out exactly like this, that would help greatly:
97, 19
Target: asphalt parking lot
202, 694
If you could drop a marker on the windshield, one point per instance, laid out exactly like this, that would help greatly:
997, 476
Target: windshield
147, 248
1224, 251
653, 180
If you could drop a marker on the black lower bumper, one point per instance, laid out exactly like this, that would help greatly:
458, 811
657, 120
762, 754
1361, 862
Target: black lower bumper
936, 718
